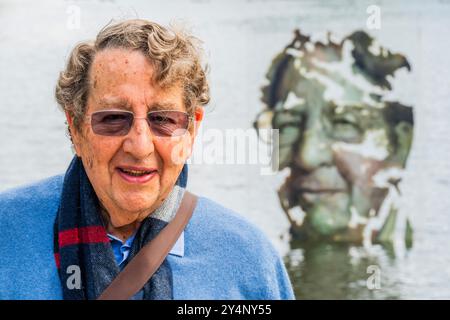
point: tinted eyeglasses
(162, 123)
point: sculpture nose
(315, 148)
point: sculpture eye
(285, 118)
(346, 130)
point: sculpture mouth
(321, 190)
(308, 196)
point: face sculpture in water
(344, 143)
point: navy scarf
(83, 254)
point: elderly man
(133, 100)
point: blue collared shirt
(122, 249)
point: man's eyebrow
(122, 103)
(115, 102)
(162, 106)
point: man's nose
(139, 141)
(315, 148)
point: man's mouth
(137, 174)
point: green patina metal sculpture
(345, 143)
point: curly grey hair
(175, 55)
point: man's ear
(73, 133)
(198, 118)
(69, 119)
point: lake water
(241, 38)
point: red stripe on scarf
(84, 235)
(57, 260)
